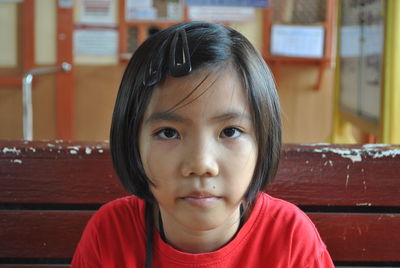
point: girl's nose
(200, 160)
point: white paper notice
(100, 12)
(297, 41)
(92, 41)
(140, 10)
(138, 4)
(221, 13)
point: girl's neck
(197, 241)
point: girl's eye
(230, 132)
(167, 134)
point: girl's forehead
(200, 93)
(198, 86)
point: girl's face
(200, 155)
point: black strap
(149, 234)
(161, 227)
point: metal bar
(27, 94)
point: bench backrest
(49, 190)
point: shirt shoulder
(293, 232)
(121, 208)
(107, 238)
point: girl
(195, 137)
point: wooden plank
(336, 175)
(54, 234)
(61, 181)
(40, 234)
(57, 172)
(308, 175)
(360, 237)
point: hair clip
(179, 64)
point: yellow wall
(45, 31)
(252, 30)
(307, 113)
(8, 34)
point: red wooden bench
(49, 189)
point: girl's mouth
(201, 199)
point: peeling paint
(365, 186)
(359, 230)
(347, 180)
(17, 161)
(316, 144)
(353, 158)
(32, 149)
(330, 163)
(73, 152)
(51, 145)
(75, 148)
(11, 150)
(344, 234)
(375, 145)
(88, 150)
(100, 151)
(355, 155)
(385, 153)
(364, 204)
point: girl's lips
(201, 201)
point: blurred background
(334, 62)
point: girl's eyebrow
(231, 115)
(165, 116)
(169, 116)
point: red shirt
(277, 234)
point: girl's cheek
(164, 145)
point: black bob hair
(207, 44)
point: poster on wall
(221, 14)
(297, 41)
(100, 12)
(235, 3)
(95, 40)
(153, 9)
(140, 10)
